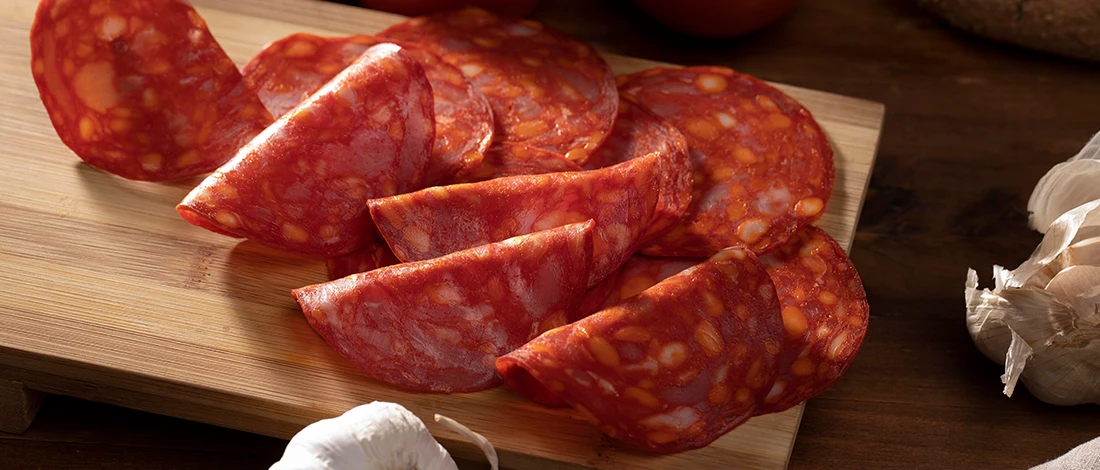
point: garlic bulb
(1066, 186)
(376, 436)
(1041, 320)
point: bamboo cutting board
(108, 295)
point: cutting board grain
(109, 296)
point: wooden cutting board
(109, 296)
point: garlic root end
(477, 439)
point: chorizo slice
(825, 315)
(302, 185)
(763, 168)
(439, 325)
(637, 132)
(141, 89)
(670, 369)
(624, 200)
(374, 255)
(289, 70)
(511, 159)
(547, 89)
(636, 275)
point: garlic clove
(1059, 235)
(1079, 287)
(338, 450)
(375, 436)
(1084, 252)
(1036, 315)
(985, 321)
(1065, 186)
(480, 441)
(1091, 150)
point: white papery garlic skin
(1041, 320)
(375, 436)
(1066, 186)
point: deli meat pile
(495, 206)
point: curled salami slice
(824, 312)
(373, 256)
(622, 199)
(671, 369)
(763, 167)
(439, 325)
(289, 70)
(638, 131)
(637, 274)
(141, 89)
(547, 89)
(303, 183)
(511, 159)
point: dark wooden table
(970, 127)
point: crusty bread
(1065, 27)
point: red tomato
(716, 18)
(424, 7)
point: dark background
(971, 125)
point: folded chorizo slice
(289, 70)
(141, 89)
(825, 315)
(439, 325)
(625, 200)
(302, 184)
(672, 368)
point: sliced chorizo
(511, 159)
(637, 132)
(636, 275)
(289, 70)
(302, 185)
(546, 88)
(439, 325)
(141, 89)
(374, 255)
(672, 368)
(763, 168)
(624, 200)
(825, 314)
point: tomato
(716, 18)
(424, 7)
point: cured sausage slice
(623, 200)
(763, 167)
(141, 89)
(825, 314)
(303, 183)
(287, 71)
(373, 256)
(439, 325)
(546, 88)
(637, 274)
(671, 369)
(638, 131)
(511, 159)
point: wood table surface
(970, 127)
